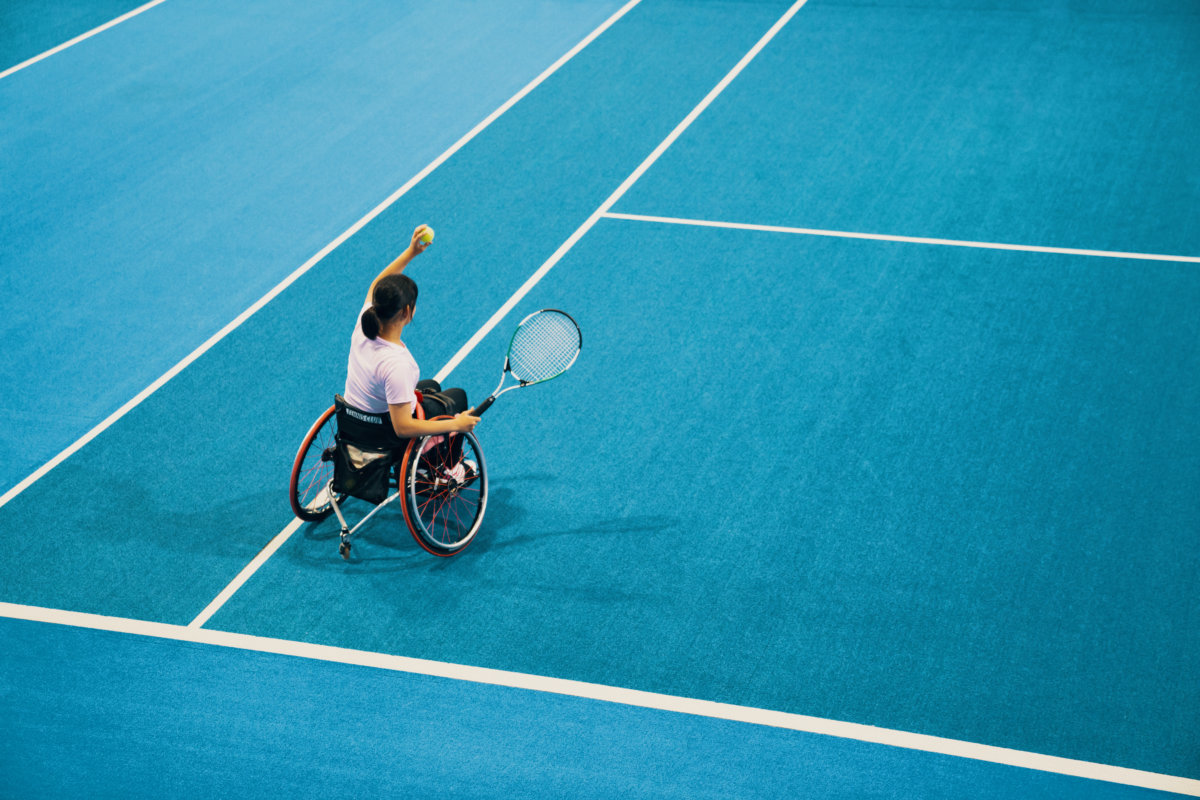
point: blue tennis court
(878, 474)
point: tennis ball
(426, 238)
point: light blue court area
(935, 489)
(161, 177)
(1066, 124)
(150, 718)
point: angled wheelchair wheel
(309, 488)
(444, 481)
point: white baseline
(307, 265)
(613, 694)
(883, 237)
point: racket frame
(486, 404)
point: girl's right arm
(415, 248)
(407, 426)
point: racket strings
(544, 346)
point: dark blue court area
(945, 490)
(356, 731)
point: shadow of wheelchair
(505, 514)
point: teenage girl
(382, 376)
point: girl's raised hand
(417, 246)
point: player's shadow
(388, 532)
(510, 516)
(385, 545)
(127, 513)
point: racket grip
(478, 410)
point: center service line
(445, 371)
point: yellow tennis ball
(426, 237)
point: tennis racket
(543, 346)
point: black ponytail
(393, 294)
(370, 323)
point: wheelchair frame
(428, 496)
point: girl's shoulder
(395, 355)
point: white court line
(613, 694)
(80, 38)
(621, 190)
(246, 572)
(306, 266)
(1031, 248)
(444, 373)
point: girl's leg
(458, 397)
(440, 401)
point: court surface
(877, 475)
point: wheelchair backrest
(367, 446)
(368, 429)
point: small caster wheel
(344, 549)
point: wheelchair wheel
(444, 481)
(313, 470)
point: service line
(884, 237)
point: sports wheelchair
(441, 480)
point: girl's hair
(393, 294)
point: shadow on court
(385, 544)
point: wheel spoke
(310, 474)
(447, 497)
(458, 519)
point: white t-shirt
(379, 372)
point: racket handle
(478, 410)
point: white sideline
(445, 371)
(890, 238)
(306, 266)
(613, 694)
(80, 38)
